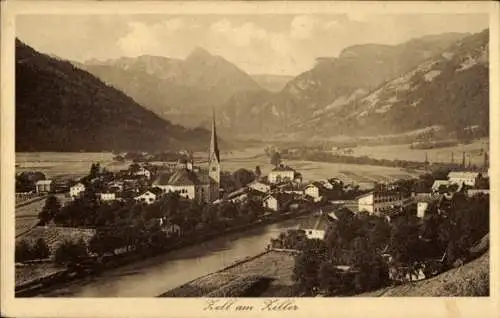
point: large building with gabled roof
(195, 184)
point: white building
(147, 197)
(315, 190)
(315, 227)
(277, 201)
(424, 202)
(259, 186)
(464, 178)
(380, 202)
(281, 174)
(439, 183)
(76, 190)
(107, 196)
(143, 172)
(43, 186)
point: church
(190, 182)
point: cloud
(303, 26)
(357, 16)
(141, 39)
(240, 35)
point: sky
(258, 44)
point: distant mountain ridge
(184, 91)
(451, 90)
(62, 108)
(271, 82)
(332, 83)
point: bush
(41, 249)
(23, 251)
(70, 253)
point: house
(43, 186)
(259, 186)
(438, 184)
(336, 213)
(107, 196)
(143, 172)
(147, 197)
(277, 201)
(473, 192)
(464, 178)
(315, 227)
(424, 203)
(315, 190)
(76, 190)
(383, 202)
(281, 174)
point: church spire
(214, 148)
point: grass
(28, 272)
(274, 265)
(54, 236)
(403, 152)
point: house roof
(148, 193)
(283, 168)
(338, 213)
(315, 223)
(44, 182)
(281, 197)
(182, 177)
(463, 174)
(79, 184)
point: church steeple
(214, 168)
(214, 148)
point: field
(78, 164)
(27, 215)
(276, 265)
(403, 152)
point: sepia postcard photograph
(249, 158)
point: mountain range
(60, 107)
(368, 90)
(182, 90)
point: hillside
(62, 108)
(334, 83)
(471, 279)
(272, 83)
(183, 91)
(449, 90)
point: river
(156, 275)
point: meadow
(78, 164)
(403, 152)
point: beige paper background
(308, 307)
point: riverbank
(93, 273)
(274, 265)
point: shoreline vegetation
(69, 276)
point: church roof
(214, 147)
(182, 177)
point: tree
(23, 251)
(50, 210)
(242, 177)
(305, 272)
(275, 159)
(69, 253)
(41, 249)
(258, 172)
(94, 170)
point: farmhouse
(315, 227)
(76, 190)
(315, 190)
(259, 186)
(281, 174)
(438, 184)
(382, 202)
(43, 186)
(143, 172)
(107, 196)
(277, 201)
(424, 203)
(464, 178)
(147, 197)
